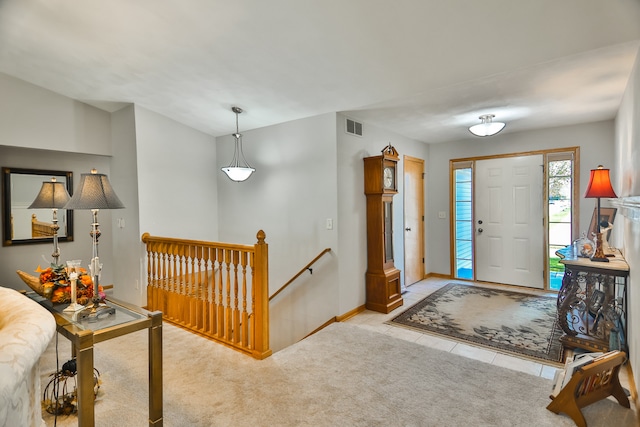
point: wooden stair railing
(306, 267)
(219, 290)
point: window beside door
(559, 212)
(463, 218)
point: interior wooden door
(413, 220)
(509, 225)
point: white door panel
(508, 221)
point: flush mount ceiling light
(239, 169)
(488, 127)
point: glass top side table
(84, 333)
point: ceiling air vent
(354, 128)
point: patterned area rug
(517, 323)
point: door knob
(479, 230)
(479, 221)
(408, 229)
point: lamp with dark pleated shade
(53, 195)
(95, 193)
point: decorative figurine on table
(605, 229)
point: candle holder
(73, 267)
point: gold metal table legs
(83, 342)
(155, 370)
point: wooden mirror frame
(7, 236)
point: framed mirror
(21, 225)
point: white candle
(74, 277)
(95, 266)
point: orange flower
(60, 296)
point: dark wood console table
(592, 302)
(83, 334)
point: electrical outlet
(442, 214)
(329, 224)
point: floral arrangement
(56, 285)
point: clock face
(388, 178)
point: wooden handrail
(306, 267)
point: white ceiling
(425, 69)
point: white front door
(508, 221)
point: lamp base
(73, 307)
(92, 313)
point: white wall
(33, 117)
(352, 204)
(129, 279)
(176, 194)
(177, 178)
(290, 196)
(596, 142)
(626, 176)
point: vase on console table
(583, 247)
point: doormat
(507, 321)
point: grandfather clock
(380, 185)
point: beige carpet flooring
(342, 376)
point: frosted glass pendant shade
(237, 173)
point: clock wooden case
(382, 277)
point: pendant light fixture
(488, 127)
(239, 169)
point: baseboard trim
(438, 275)
(349, 314)
(324, 325)
(342, 318)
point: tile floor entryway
(376, 321)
